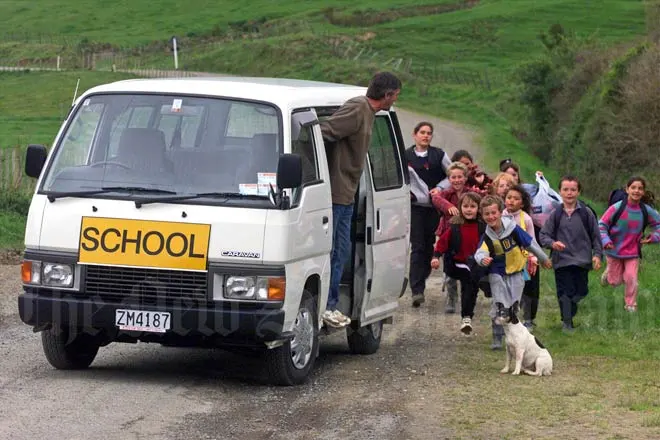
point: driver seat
(143, 150)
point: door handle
(325, 219)
(378, 219)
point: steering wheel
(110, 162)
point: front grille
(116, 284)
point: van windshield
(164, 144)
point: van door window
(302, 143)
(384, 156)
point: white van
(197, 212)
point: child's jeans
(620, 270)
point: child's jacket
(508, 247)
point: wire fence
(12, 175)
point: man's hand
(453, 211)
(435, 263)
(558, 246)
(487, 261)
(609, 245)
(595, 261)
(547, 264)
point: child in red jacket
(458, 243)
(447, 203)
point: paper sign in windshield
(248, 189)
(176, 105)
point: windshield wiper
(54, 195)
(215, 195)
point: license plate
(142, 320)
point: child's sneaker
(603, 279)
(417, 299)
(631, 308)
(466, 326)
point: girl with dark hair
(427, 166)
(468, 227)
(622, 233)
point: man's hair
(382, 84)
(492, 200)
(457, 166)
(570, 178)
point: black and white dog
(531, 356)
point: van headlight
(47, 274)
(255, 288)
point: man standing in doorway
(348, 132)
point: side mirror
(289, 171)
(35, 158)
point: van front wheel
(365, 340)
(66, 350)
(291, 363)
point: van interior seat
(264, 153)
(143, 150)
(216, 170)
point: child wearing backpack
(457, 244)
(576, 248)
(622, 233)
(501, 250)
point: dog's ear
(514, 313)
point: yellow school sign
(141, 243)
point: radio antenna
(75, 93)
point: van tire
(365, 340)
(63, 354)
(282, 369)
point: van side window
(302, 143)
(384, 156)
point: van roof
(284, 92)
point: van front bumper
(231, 323)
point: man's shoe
(466, 326)
(529, 325)
(567, 327)
(417, 299)
(342, 319)
(497, 343)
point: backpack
(449, 264)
